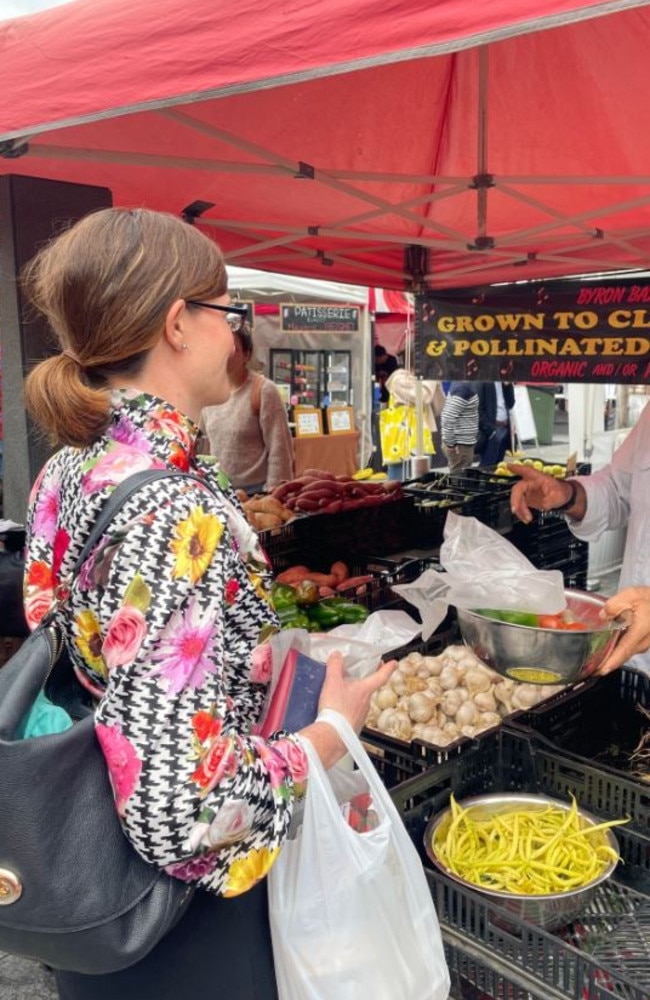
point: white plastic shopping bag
(351, 913)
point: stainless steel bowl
(550, 911)
(540, 655)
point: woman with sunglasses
(250, 433)
(166, 628)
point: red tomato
(573, 626)
(551, 621)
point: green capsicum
(283, 596)
(323, 616)
(348, 611)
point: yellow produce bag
(398, 433)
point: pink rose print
(36, 606)
(230, 824)
(194, 868)
(115, 466)
(275, 764)
(124, 765)
(296, 759)
(126, 631)
(46, 512)
(261, 664)
(219, 762)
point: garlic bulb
(477, 680)
(525, 696)
(486, 720)
(373, 717)
(448, 678)
(386, 697)
(397, 724)
(467, 714)
(485, 701)
(421, 706)
(451, 702)
(434, 664)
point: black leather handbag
(74, 893)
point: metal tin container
(541, 655)
(547, 911)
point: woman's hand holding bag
(351, 913)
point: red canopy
(506, 139)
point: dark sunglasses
(235, 315)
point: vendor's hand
(632, 605)
(351, 696)
(539, 491)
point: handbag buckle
(11, 888)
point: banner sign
(315, 318)
(556, 331)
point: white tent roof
(268, 284)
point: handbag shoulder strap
(122, 492)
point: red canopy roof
(506, 139)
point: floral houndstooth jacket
(166, 626)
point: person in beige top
(250, 433)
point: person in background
(459, 425)
(167, 629)
(495, 400)
(616, 496)
(249, 434)
(385, 365)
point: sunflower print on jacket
(165, 627)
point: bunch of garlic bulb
(443, 698)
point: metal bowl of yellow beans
(539, 858)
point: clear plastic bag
(351, 913)
(482, 569)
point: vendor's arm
(632, 605)
(276, 435)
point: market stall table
(336, 453)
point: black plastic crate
(507, 760)
(351, 535)
(494, 956)
(597, 722)
(496, 949)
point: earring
(183, 347)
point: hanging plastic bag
(482, 570)
(351, 912)
(398, 433)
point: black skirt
(221, 948)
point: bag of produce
(350, 910)
(482, 569)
